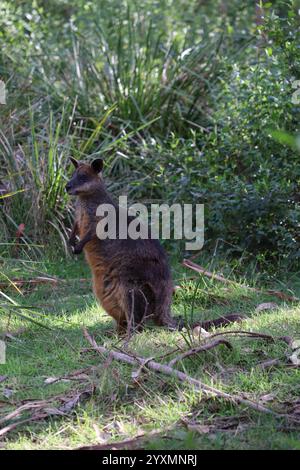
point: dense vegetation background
(187, 101)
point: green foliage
(187, 102)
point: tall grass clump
(182, 99)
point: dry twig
(166, 369)
(43, 409)
(204, 347)
(199, 269)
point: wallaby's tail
(225, 320)
(221, 321)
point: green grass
(121, 408)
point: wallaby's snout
(72, 186)
(68, 187)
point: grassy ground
(121, 408)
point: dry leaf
(266, 398)
(200, 333)
(294, 358)
(70, 404)
(8, 392)
(102, 436)
(10, 336)
(266, 306)
(295, 344)
(53, 412)
(51, 380)
(199, 428)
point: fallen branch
(252, 334)
(126, 444)
(22, 282)
(27, 406)
(268, 363)
(205, 347)
(37, 281)
(133, 443)
(200, 270)
(80, 374)
(12, 426)
(43, 409)
(276, 293)
(218, 277)
(167, 370)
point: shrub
(187, 101)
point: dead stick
(165, 369)
(251, 334)
(22, 282)
(200, 270)
(40, 407)
(195, 267)
(38, 280)
(12, 426)
(205, 347)
(130, 443)
(27, 406)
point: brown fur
(131, 278)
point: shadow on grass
(120, 406)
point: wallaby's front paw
(72, 241)
(76, 250)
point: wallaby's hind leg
(162, 314)
(140, 303)
(122, 327)
(125, 306)
(165, 318)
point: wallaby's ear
(74, 161)
(97, 165)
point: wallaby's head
(86, 178)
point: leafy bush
(183, 100)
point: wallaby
(131, 278)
